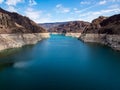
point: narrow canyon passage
(60, 63)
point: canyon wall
(103, 30)
(70, 28)
(17, 30)
(18, 40)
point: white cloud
(61, 9)
(58, 5)
(102, 2)
(85, 9)
(32, 13)
(32, 2)
(44, 18)
(75, 9)
(114, 6)
(38, 16)
(11, 9)
(84, 2)
(13, 2)
(1, 1)
(92, 15)
(115, 0)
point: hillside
(51, 25)
(104, 25)
(70, 27)
(17, 30)
(16, 23)
(103, 30)
(95, 25)
(111, 25)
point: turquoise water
(60, 63)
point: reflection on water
(9, 57)
(21, 64)
(9, 52)
(4, 65)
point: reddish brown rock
(17, 30)
(111, 25)
(104, 25)
(15, 23)
(70, 27)
(95, 25)
(105, 31)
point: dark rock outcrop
(110, 25)
(104, 25)
(95, 25)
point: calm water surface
(60, 63)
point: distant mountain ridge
(68, 27)
(51, 25)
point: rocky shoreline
(112, 41)
(76, 35)
(104, 31)
(17, 30)
(18, 40)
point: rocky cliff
(111, 25)
(104, 30)
(71, 28)
(17, 30)
(94, 26)
(47, 26)
(15, 23)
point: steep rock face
(105, 31)
(70, 27)
(111, 25)
(17, 30)
(15, 23)
(95, 25)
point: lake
(60, 63)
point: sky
(46, 11)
